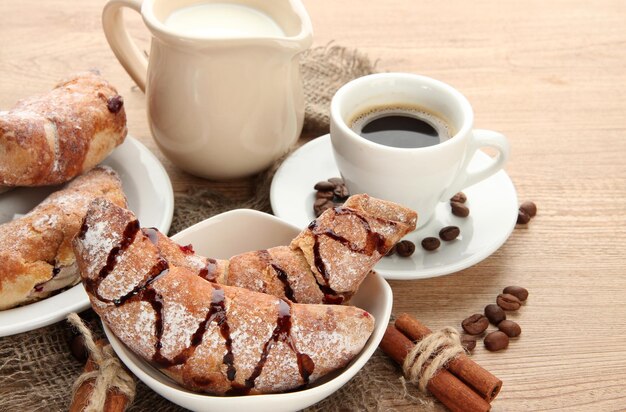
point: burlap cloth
(37, 369)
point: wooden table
(550, 75)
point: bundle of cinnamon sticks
(115, 401)
(462, 385)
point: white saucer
(492, 203)
(235, 232)
(149, 192)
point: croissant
(208, 337)
(36, 256)
(326, 263)
(50, 139)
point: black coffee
(400, 126)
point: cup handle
(125, 49)
(480, 138)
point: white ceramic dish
(492, 202)
(235, 232)
(150, 196)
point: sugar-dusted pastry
(326, 263)
(208, 337)
(343, 244)
(52, 138)
(36, 256)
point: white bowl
(235, 232)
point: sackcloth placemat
(37, 369)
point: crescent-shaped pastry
(52, 138)
(208, 337)
(36, 256)
(326, 263)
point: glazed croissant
(36, 256)
(208, 337)
(50, 139)
(326, 263)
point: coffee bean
(510, 328)
(494, 313)
(324, 186)
(321, 205)
(475, 324)
(459, 209)
(331, 205)
(320, 202)
(323, 194)
(468, 342)
(78, 348)
(459, 197)
(449, 233)
(405, 248)
(517, 291)
(391, 251)
(115, 103)
(496, 341)
(341, 191)
(430, 243)
(508, 302)
(336, 180)
(522, 217)
(530, 208)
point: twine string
(431, 354)
(108, 374)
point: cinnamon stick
(472, 374)
(115, 400)
(444, 386)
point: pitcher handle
(125, 49)
(480, 138)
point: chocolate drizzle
(128, 236)
(281, 333)
(216, 313)
(374, 242)
(161, 268)
(282, 276)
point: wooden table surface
(551, 75)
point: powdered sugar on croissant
(50, 139)
(208, 337)
(36, 257)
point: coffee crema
(402, 126)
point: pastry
(326, 263)
(36, 256)
(208, 337)
(50, 139)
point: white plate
(235, 232)
(492, 203)
(149, 192)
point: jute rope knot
(108, 374)
(431, 354)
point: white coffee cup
(221, 104)
(420, 177)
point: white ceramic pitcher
(218, 107)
